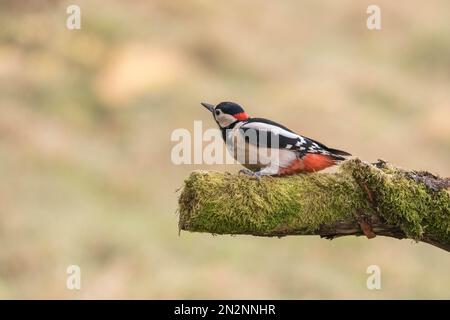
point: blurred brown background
(86, 117)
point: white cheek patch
(224, 119)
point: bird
(253, 142)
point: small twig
(365, 225)
(362, 219)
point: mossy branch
(359, 199)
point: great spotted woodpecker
(295, 153)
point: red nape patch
(241, 116)
(309, 163)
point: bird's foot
(253, 174)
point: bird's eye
(217, 112)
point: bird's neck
(229, 127)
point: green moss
(403, 202)
(222, 203)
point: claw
(253, 174)
(247, 172)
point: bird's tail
(337, 154)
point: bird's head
(226, 113)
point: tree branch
(359, 199)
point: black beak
(208, 106)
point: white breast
(252, 156)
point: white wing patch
(274, 129)
(261, 126)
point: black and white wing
(267, 133)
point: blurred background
(86, 117)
